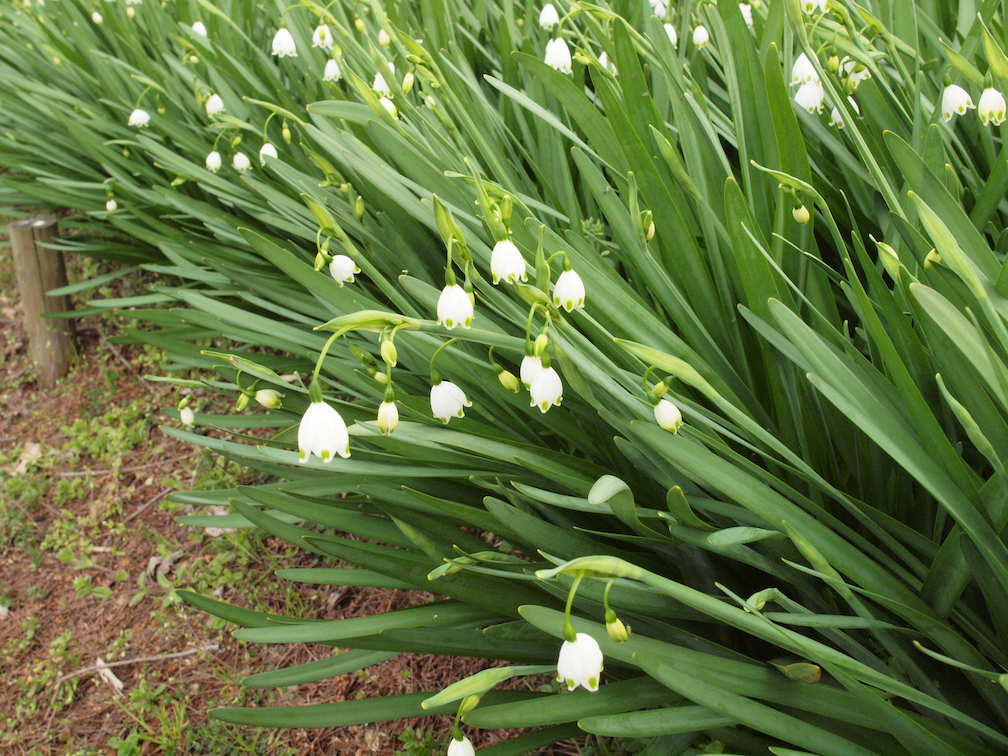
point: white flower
(111, 206)
(836, 119)
(266, 149)
(187, 416)
(389, 106)
(580, 663)
(96, 17)
(991, 107)
(323, 433)
(801, 214)
(454, 307)
(810, 97)
(138, 118)
(380, 86)
(199, 28)
(388, 417)
(322, 37)
(241, 162)
(283, 44)
(383, 38)
(659, 9)
(810, 6)
(530, 368)
(213, 161)
(214, 105)
(746, 11)
(803, 72)
(668, 415)
(343, 269)
(268, 398)
(546, 389)
(447, 401)
(604, 62)
(558, 55)
(462, 747)
(700, 37)
(332, 72)
(507, 263)
(548, 16)
(569, 291)
(955, 99)
(672, 35)
(854, 77)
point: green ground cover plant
(686, 318)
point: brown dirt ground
(38, 584)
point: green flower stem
(568, 629)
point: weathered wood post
(40, 270)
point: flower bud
(130, 12)
(193, 59)
(383, 38)
(833, 64)
(96, 17)
(359, 24)
(509, 381)
(407, 82)
(187, 416)
(269, 398)
(358, 208)
(932, 259)
(111, 205)
(801, 214)
(381, 378)
(319, 261)
(286, 133)
(242, 402)
(389, 352)
(236, 141)
(388, 416)
(541, 343)
(615, 627)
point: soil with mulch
(200, 667)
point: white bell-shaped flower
(388, 417)
(383, 38)
(660, 9)
(283, 44)
(381, 86)
(268, 398)
(187, 416)
(548, 16)
(546, 389)
(241, 162)
(558, 55)
(992, 107)
(323, 433)
(811, 6)
(139, 118)
(214, 105)
(801, 214)
(322, 37)
(332, 71)
(266, 149)
(803, 72)
(604, 62)
(580, 663)
(836, 118)
(447, 401)
(700, 37)
(454, 308)
(530, 367)
(213, 161)
(199, 28)
(507, 263)
(668, 416)
(111, 206)
(746, 10)
(569, 291)
(343, 269)
(673, 35)
(955, 100)
(462, 747)
(854, 71)
(810, 97)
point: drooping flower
(673, 35)
(111, 206)
(810, 6)
(139, 118)
(323, 433)
(213, 161)
(388, 417)
(381, 86)
(801, 214)
(214, 105)
(558, 55)
(854, 71)
(836, 118)
(507, 263)
(343, 269)
(810, 97)
(389, 106)
(955, 99)
(746, 10)
(283, 44)
(268, 398)
(199, 28)
(660, 9)
(447, 400)
(546, 389)
(580, 663)
(462, 747)
(322, 37)
(332, 71)
(803, 72)
(992, 107)
(548, 16)
(96, 17)
(383, 38)
(668, 416)
(604, 61)
(700, 37)
(454, 308)
(187, 416)
(241, 162)
(530, 367)
(266, 149)
(569, 291)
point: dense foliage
(769, 433)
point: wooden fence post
(40, 270)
